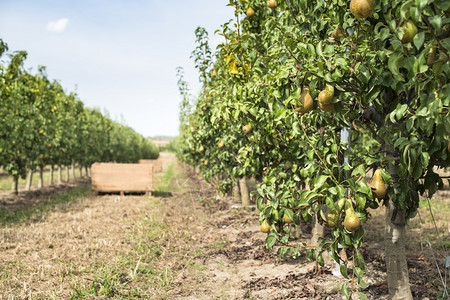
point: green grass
(136, 274)
(18, 213)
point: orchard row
(43, 125)
(312, 98)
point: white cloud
(58, 26)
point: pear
(326, 96)
(362, 9)
(201, 149)
(214, 73)
(221, 144)
(409, 32)
(332, 219)
(287, 219)
(265, 226)
(272, 3)
(205, 162)
(378, 186)
(233, 68)
(326, 107)
(250, 12)
(338, 33)
(432, 56)
(333, 216)
(247, 128)
(351, 221)
(305, 100)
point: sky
(118, 56)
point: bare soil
(185, 243)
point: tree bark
(245, 197)
(396, 265)
(81, 171)
(41, 177)
(29, 180)
(72, 167)
(86, 171)
(52, 172)
(318, 231)
(236, 195)
(67, 174)
(59, 174)
(15, 185)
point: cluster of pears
(351, 220)
(247, 128)
(306, 104)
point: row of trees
(43, 125)
(311, 97)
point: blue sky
(117, 55)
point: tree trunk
(52, 172)
(67, 174)
(41, 177)
(396, 265)
(29, 180)
(59, 174)
(81, 171)
(394, 239)
(72, 167)
(245, 197)
(318, 231)
(236, 194)
(87, 171)
(15, 185)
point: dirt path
(178, 244)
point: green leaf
(271, 240)
(343, 269)
(362, 295)
(419, 39)
(345, 291)
(359, 171)
(359, 260)
(394, 65)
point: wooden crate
(112, 177)
(157, 167)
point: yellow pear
(332, 219)
(351, 221)
(250, 12)
(362, 9)
(287, 219)
(272, 3)
(326, 96)
(378, 186)
(247, 128)
(221, 144)
(338, 33)
(265, 226)
(409, 32)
